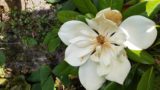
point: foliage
(25, 31)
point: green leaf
(53, 44)
(146, 82)
(67, 15)
(131, 2)
(50, 35)
(63, 70)
(102, 4)
(151, 7)
(53, 1)
(29, 41)
(85, 6)
(131, 75)
(40, 75)
(48, 84)
(45, 72)
(117, 4)
(68, 5)
(132, 78)
(51, 40)
(140, 56)
(81, 18)
(95, 2)
(114, 4)
(36, 86)
(2, 58)
(135, 9)
(112, 86)
(43, 79)
(34, 77)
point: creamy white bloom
(98, 48)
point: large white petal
(103, 69)
(76, 56)
(96, 55)
(107, 55)
(88, 76)
(105, 61)
(119, 70)
(141, 32)
(83, 41)
(104, 54)
(72, 29)
(117, 37)
(102, 26)
(112, 15)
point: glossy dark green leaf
(45, 72)
(36, 86)
(131, 2)
(68, 5)
(156, 82)
(146, 82)
(95, 3)
(51, 40)
(81, 18)
(34, 77)
(63, 70)
(140, 56)
(40, 75)
(131, 75)
(112, 86)
(67, 15)
(50, 35)
(53, 44)
(2, 58)
(42, 78)
(132, 78)
(102, 4)
(85, 6)
(48, 84)
(136, 9)
(114, 4)
(117, 4)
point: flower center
(100, 39)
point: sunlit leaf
(140, 56)
(146, 82)
(151, 7)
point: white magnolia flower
(98, 48)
